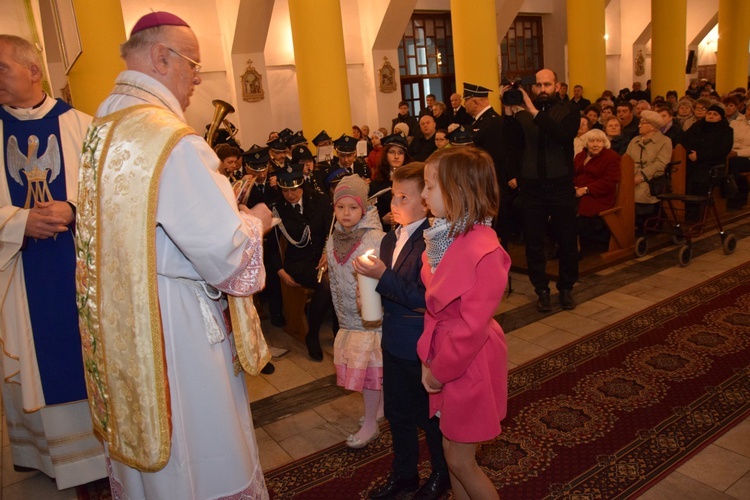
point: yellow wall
(101, 28)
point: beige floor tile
(521, 351)
(343, 413)
(313, 440)
(656, 294)
(677, 486)
(740, 489)
(683, 273)
(511, 365)
(37, 487)
(555, 339)
(271, 454)
(610, 315)
(589, 308)
(288, 375)
(10, 476)
(532, 331)
(624, 301)
(293, 425)
(716, 467)
(673, 283)
(634, 288)
(737, 439)
(573, 323)
(258, 388)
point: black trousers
(558, 205)
(406, 407)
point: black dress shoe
(394, 486)
(566, 300)
(543, 304)
(268, 369)
(436, 485)
(313, 348)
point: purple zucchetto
(154, 19)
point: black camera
(513, 96)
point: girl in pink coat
(463, 350)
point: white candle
(372, 308)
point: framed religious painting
(387, 77)
(252, 84)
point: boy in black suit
(402, 291)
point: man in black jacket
(546, 183)
(488, 134)
(458, 112)
(305, 218)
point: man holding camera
(546, 182)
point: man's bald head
(546, 84)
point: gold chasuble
(120, 319)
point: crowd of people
(120, 373)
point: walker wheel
(641, 246)
(684, 255)
(729, 244)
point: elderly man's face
(17, 81)
(455, 100)
(182, 76)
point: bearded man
(546, 183)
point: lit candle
(372, 308)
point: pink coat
(462, 344)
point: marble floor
(306, 425)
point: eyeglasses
(194, 65)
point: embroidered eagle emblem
(34, 168)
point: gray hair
(595, 133)
(143, 40)
(24, 52)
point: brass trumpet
(221, 110)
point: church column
(587, 54)
(668, 46)
(102, 30)
(322, 82)
(734, 36)
(475, 46)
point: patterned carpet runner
(605, 417)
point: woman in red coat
(462, 348)
(597, 173)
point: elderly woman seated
(651, 151)
(597, 173)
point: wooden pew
(620, 219)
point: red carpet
(605, 417)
